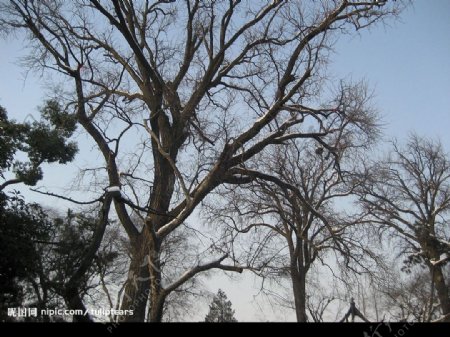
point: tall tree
(27, 232)
(197, 87)
(408, 197)
(21, 223)
(220, 309)
(290, 207)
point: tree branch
(200, 268)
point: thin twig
(69, 199)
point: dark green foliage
(27, 233)
(64, 122)
(44, 141)
(27, 173)
(73, 234)
(8, 142)
(40, 253)
(220, 309)
(62, 256)
(21, 227)
(46, 144)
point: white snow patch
(113, 189)
(419, 253)
(443, 258)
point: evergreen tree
(220, 309)
(23, 225)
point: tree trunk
(431, 245)
(136, 293)
(156, 307)
(138, 285)
(147, 286)
(74, 302)
(157, 293)
(299, 289)
(442, 290)
(146, 263)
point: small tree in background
(220, 309)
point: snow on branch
(113, 189)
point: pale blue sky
(407, 64)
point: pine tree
(220, 309)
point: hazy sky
(406, 63)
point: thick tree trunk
(156, 307)
(74, 302)
(147, 286)
(138, 283)
(136, 292)
(146, 263)
(299, 289)
(442, 290)
(157, 293)
(430, 245)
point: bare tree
(319, 298)
(290, 205)
(408, 198)
(196, 87)
(409, 297)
